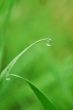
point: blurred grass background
(22, 22)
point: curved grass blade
(7, 70)
(47, 103)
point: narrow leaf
(47, 103)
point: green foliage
(48, 68)
(6, 73)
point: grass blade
(47, 103)
(7, 70)
(3, 32)
(1, 52)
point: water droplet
(8, 79)
(50, 39)
(48, 44)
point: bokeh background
(23, 22)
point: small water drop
(48, 44)
(50, 39)
(8, 79)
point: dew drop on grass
(8, 79)
(49, 42)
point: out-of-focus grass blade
(1, 51)
(3, 32)
(48, 105)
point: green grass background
(22, 22)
